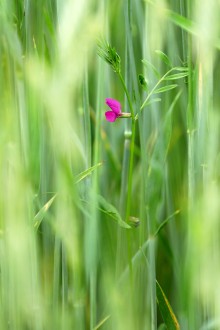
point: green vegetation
(109, 225)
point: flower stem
(131, 161)
(127, 94)
(128, 200)
(130, 170)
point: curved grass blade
(43, 211)
(147, 64)
(165, 309)
(79, 177)
(100, 324)
(165, 222)
(164, 58)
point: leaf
(151, 66)
(79, 177)
(100, 324)
(151, 101)
(183, 22)
(165, 89)
(112, 212)
(164, 58)
(176, 76)
(165, 309)
(181, 68)
(43, 211)
(165, 222)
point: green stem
(127, 94)
(128, 200)
(130, 173)
(131, 159)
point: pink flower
(116, 110)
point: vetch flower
(115, 112)
(115, 106)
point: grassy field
(109, 225)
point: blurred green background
(70, 257)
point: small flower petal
(114, 105)
(110, 116)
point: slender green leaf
(79, 177)
(165, 309)
(153, 100)
(148, 65)
(165, 89)
(165, 222)
(100, 324)
(176, 76)
(164, 58)
(181, 68)
(183, 22)
(179, 20)
(43, 211)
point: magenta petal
(114, 105)
(110, 116)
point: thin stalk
(130, 173)
(191, 152)
(124, 180)
(131, 159)
(93, 228)
(87, 123)
(127, 94)
(56, 274)
(64, 277)
(128, 200)
(152, 276)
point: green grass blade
(166, 310)
(150, 66)
(182, 22)
(165, 222)
(100, 324)
(164, 58)
(42, 213)
(81, 176)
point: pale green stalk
(56, 274)
(151, 276)
(127, 95)
(93, 228)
